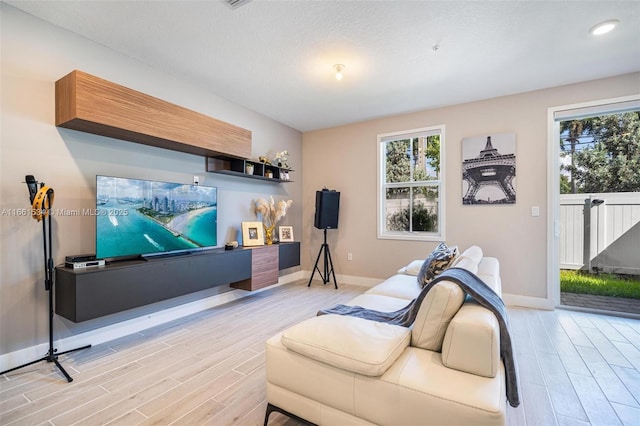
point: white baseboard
(134, 325)
(361, 281)
(347, 279)
(528, 301)
(289, 278)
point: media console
(90, 293)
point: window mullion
(398, 184)
(411, 209)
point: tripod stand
(44, 198)
(327, 262)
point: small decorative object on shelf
(281, 159)
(268, 174)
(285, 234)
(268, 235)
(252, 234)
(271, 213)
(249, 168)
(264, 160)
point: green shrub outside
(424, 219)
(599, 284)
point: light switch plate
(535, 211)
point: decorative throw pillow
(439, 260)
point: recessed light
(604, 27)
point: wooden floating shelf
(93, 105)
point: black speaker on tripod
(327, 209)
(326, 217)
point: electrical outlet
(196, 180)
(349, 256)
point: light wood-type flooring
(575, 368)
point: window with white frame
(410, 186)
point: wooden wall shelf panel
(264, 268)
(93, 105)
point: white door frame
(553, 180)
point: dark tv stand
(84, 294)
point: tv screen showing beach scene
(142, 217)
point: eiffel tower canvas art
(489, 169)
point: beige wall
(344, 158)
(36, 54)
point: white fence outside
(612, 234)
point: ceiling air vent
(234, 4)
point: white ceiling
(277, 57)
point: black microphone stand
(52, 354)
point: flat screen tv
(141, 217)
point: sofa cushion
(438, 307)
(350, 343)
(468, 264)
(378, 302)
(472, 341)
(419, 390)
(412, 268)
(489, 272)
(400, 286)
(473, 253)
(436, 262)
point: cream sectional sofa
(445, 369)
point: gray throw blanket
(479, 291)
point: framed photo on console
(285, 234)
(252, 234)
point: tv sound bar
(162, 255)
(166, 254)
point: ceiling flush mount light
(339, 68)
(604, 27)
